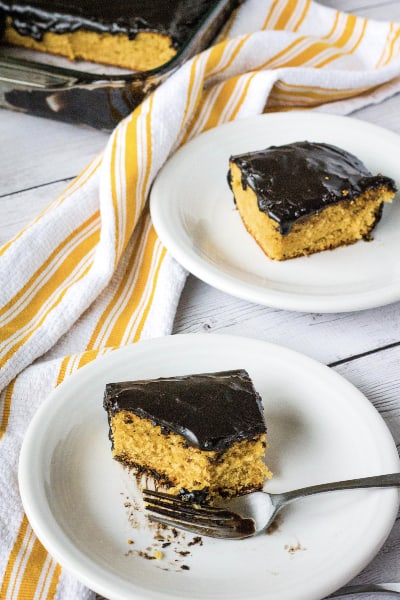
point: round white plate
(79, 501)
(195, 217)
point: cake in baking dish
(202, 434)
(132, 34)
(305, 197)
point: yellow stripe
(277, 59)
(269, 16)
(116, 172)
(148, 150)
(303, 15)
(334, 26)
(202, 114)
(132, 170)
(5, 415)
(392, 48)
(213, 68)
(54, 571)
(130, 303)
(32, 572)
(215, 56)
(306, 55)
(145, 284)
(15, 559)
(317, 92)
(133, 330)
(351, 22)
(114, 338)
(289, 7)
(113, 190)
(344, 42)
(314, 48)
(219, 102)
(63, 369)
(284, 94)
(190, 91)
(386, 48)
(61, 264)
(54, 582)
(75, 185)
(23, 572)
(241, 98)
(150, 300)
(224, 96)
(88, 356)
(38, 321)
(73, 362)
(216, 60)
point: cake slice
(201, 434)
(133, 34)
(306, 197)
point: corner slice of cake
(306, 197)
(202, 435)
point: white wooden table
(38, 158)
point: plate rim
(40, 524)
(225, 282)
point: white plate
(195, 217)
(320, 428)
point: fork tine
(204, 520)
(184, 507)
(215, 532)
(193, 516)
(178, 500)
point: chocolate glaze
(299, 179)
(210, 411)
(175, 18)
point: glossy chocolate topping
(299, 179)
(175, 18)
(211, 411)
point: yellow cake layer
(146, 51)
(140, 444)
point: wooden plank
(326, 337)
(36, 151)
(378, 8)
(19, 209)
(378, 377)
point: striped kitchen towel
(89, 274)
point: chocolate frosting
(210, 411)
(299, 179)
(175, 18)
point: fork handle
(378, 481)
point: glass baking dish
(88, 94)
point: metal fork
(388, 590)
(243, 516)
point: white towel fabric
(90, 274)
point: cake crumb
(196, 540)
(291, 548)
(158, 555)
